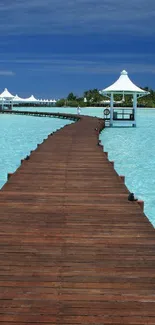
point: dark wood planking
(73, 249)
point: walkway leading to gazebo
(73, 249)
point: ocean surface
(132, 149)
(21, 134)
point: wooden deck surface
(73, 249)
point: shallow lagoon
(132, 149)
(21, 134)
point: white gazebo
(123, 86)
(53, 101)
(6, 98)
(31, 99)
(18, 100)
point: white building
(123, 86)
(31, 99)
(6, 99)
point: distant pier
(73, 249)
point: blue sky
(51, 47)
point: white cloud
(91, 65)
(96, 69)
(82, 64)
(38, 58)
(77, 16)
(6, 73)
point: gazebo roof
(124, 85)
(52, 100)
(6, 94)
(31, 99)
(18, 99)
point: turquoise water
(132, 149)
(72, 110)
(21, 134)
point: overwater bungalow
(7, 101)
(125, 116)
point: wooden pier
(73, 249)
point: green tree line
(92, 97)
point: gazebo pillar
(135, 108)
(2, 103)
(126, 87)
(11, 104)
(111, 108)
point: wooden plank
(73, 249)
